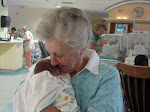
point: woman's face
(66, 58)
(13, 31)
(100, 32)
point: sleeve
(109, 95)
(27, 35)
(9, 107)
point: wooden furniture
(135, 82)
(130, 60)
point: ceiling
(93, 6)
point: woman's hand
(26, 40)
(50, 109)
(95, 47)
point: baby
(46, 65)
(47, 87)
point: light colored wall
(127, 11)
(26, 16)
(142, 26)
(31, 16)
(95, 17)
(3, 11)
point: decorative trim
(140, 13)
(126, 22)
(122, 3)
(141, 21)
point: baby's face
(55, 71)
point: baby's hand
(46, 65)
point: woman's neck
(96, 35)
(79, 68)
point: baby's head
(46, 65)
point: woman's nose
(54, 61)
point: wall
(3, 11)
(31, 16)
(95, 17)
(127, 12)
(26, 16)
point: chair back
(43, 49)
(135, 82)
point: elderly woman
(66, 32)
(95, 42)
(28, 45)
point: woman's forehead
(56, 46)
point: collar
(93, 63)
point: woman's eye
(60, 56)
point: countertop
(10, 42)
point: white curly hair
(67, 24)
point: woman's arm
(109, 95)
(26, 40)
(95, 47)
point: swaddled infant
(47, 87)
(55, 71)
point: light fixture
(67, 1)
(57, 6)
(124, 18)
(118, 17)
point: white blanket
(43, 89)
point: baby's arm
(46, 65)
(50, 109)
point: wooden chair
(135, 82)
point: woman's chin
(64, 70)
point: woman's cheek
(63, 61)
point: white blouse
(28, 45)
